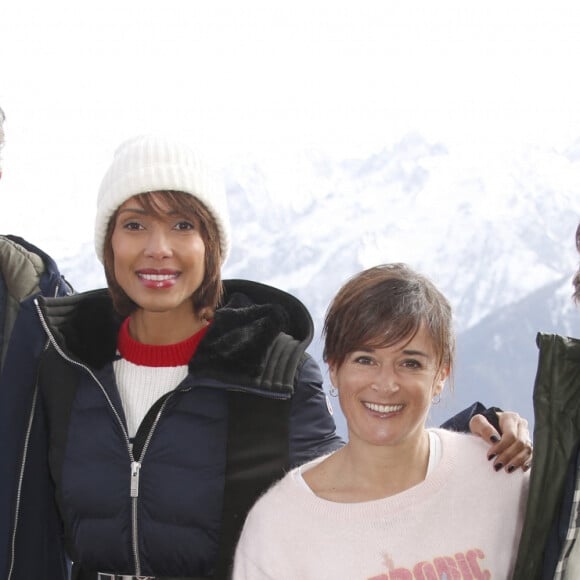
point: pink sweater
(462, 523)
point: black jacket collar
(253, 315)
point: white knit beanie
(150, 163)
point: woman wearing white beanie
(155, 389)
(169, 402)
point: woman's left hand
(511, 450)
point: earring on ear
(333, 391)
(435, 400)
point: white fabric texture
(140, 386)
(434, 458)
(152, 163)
(463, 521)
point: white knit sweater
(145, 373)
(463, 521)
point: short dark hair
(384, 305)
(207, 297)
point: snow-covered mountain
(495, 233)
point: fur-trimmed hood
(255, 324)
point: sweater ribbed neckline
(167, 355)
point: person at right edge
(550, 543)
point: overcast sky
(264, 79)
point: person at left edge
(26, 271)
(168, 403)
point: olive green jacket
(556, 439)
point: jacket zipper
(24, 458)
(135, 465)
(134, 492)
(20, 481)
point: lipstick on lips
(158, 279)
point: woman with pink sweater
(398, 501)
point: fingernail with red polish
(494, 438)
(498, 466)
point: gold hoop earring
(333, 391)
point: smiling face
(389, 344)
(158, 258)
(385, 393)
(160, 204)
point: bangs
(157, 203)
(399, 331)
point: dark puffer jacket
(25, 273)
(155, 505)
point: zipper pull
(135, 467)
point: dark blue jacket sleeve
(312, 427)
(460, 422)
